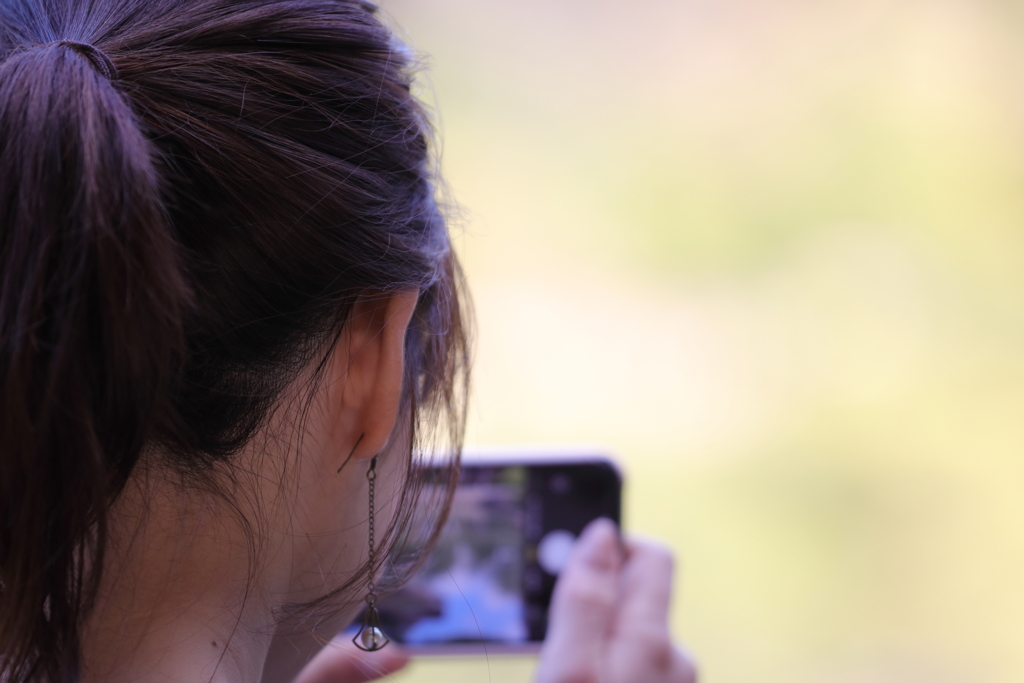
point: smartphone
(514, 519)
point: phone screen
(489, 578)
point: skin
(180, 599)
(178, 602)
(609, 615)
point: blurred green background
(772, 253)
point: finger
(342, 662)
(583, 606)
(685, 668)
(646, 587)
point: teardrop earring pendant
(370, 636)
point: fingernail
(600, 525)
(599, 544)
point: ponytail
(91, 340)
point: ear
(368, 369)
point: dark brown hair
(183, 229)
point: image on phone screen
(490, 576)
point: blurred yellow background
(772, 253)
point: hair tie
(96, 57)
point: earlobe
(371, 357)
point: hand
(342, 662)
(609, 615)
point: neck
(179, 599)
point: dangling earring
(370, 637)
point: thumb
(342, 662)
(584, 605)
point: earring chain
(371, 476)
